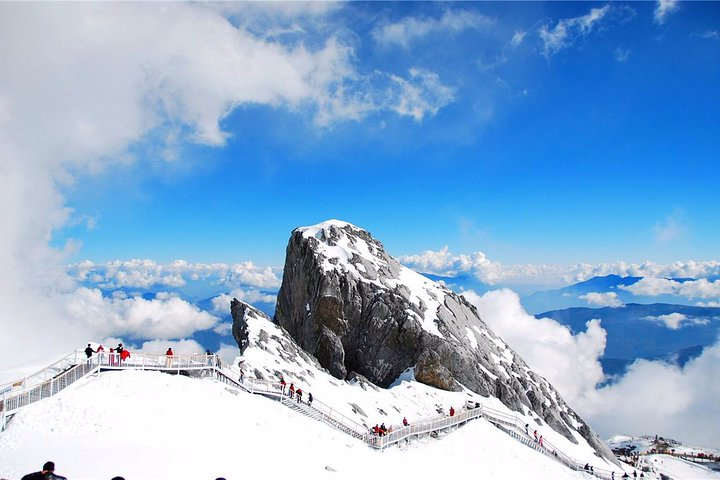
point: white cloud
(223, 328)
(674, 402)
(679, 269)
(409, 29)
(164, 317)
(221, 303)
(663, 9)
(419, 95)
(567, 30)
(609, 299)
(445, 263)
(708, 304)
(228, 353)
(652, 286)
(148, 273)
(91, 80)
(675, 321)
(517, 38)
(569, 362)
(183, 346)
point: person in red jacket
(168, 357)
(452, 412)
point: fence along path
(71, 368)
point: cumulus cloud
(675, 321)
(663, 9)
(164, 317)
(221, 303)
(89, 82)
(675, 402)
(223, 329)
(228, 353)
(570, 362)
(183, 346)
(679, 269)
(410, 29)
(568, 30)
(655, 397)
(652, 286)
(609, 299)
(137, 273)
(444, 263)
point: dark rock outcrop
(358, 311)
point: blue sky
(544, 133)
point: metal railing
(13, 401)
(322, 411)
(426, 426)
(47, 373)
(73, 367)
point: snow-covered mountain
(361, 314)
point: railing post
(4, 408)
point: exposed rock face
(358, 311)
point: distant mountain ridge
(645, 331)
(571, 295)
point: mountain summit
(359, 312)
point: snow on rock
(361, 314)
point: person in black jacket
(47, 473)
(89, 351)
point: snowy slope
(271, 354)
(677, 468)
(354, 307)
(154, 426)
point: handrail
(72, 370)
(275, 390)
(45, 373)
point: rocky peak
(359, 312)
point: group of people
(294, 392)
(117, 354)
(538, 438)
(381, 431)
